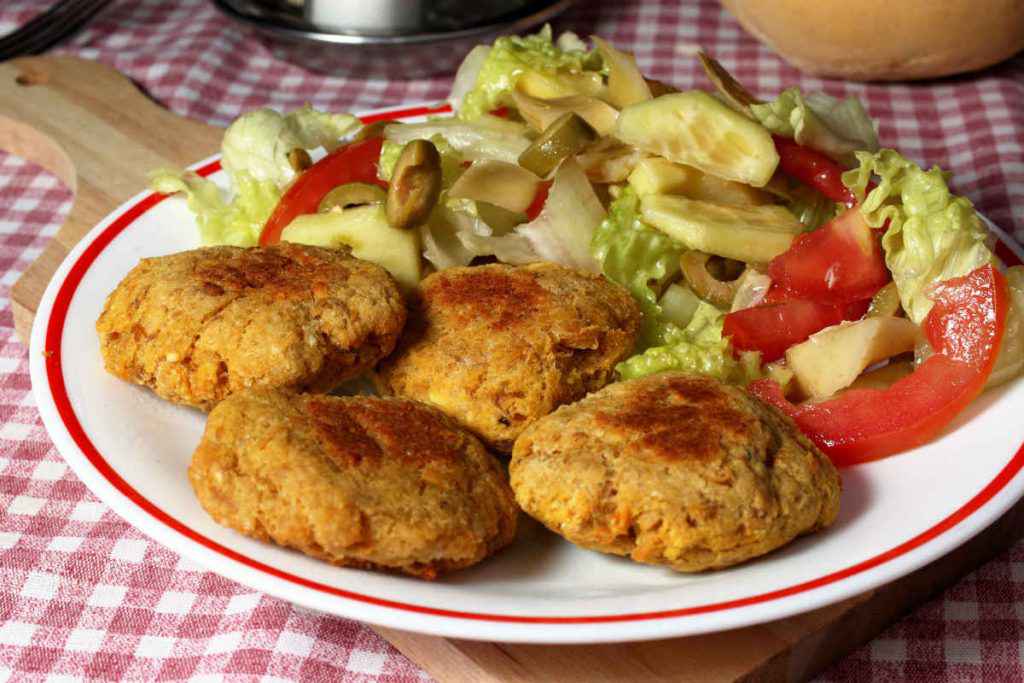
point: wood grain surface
(88, 125)
(92, 128)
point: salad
(771, 244)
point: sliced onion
(735, 95)
(506, 185)
(563, 231)
(542, 113)
(751, 288)
(626, 85)
(609, 161)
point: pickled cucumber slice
(696, 129)
(661, 176)
(565, 137)
(549, 86)
(366, 230)
(752, 234)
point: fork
(50, 27)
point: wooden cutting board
(93, 129)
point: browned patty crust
(498, 346)
(674, 469)
(358, 481)
(198, 325)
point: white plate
(132, 450)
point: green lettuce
(237, 222)
(836, 128)
(638, 257)
(388, 158)
(697, 348)
(933, 235)
(512, 56)
(254, 154)
(259, 141)
(644, 260)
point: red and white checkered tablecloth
(85, 595)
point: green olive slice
(415, 185)
(565, 137)
(351, 194)
(694, 265)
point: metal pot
(396, 39)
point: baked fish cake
(198, 325)
(498, 346)
(676, 470)
(360, 481)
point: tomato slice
(838, 263)
(965, 328)
(537, 205)
(814, 169)
(772, 328)
(354, 163)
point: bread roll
(885, 40)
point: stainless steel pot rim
(513, 24)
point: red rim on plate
(55, 378)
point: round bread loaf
(883, 40)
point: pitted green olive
(351, 194)
(415, 185)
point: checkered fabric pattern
(84, 595)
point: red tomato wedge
(813, 169)
(354, 163)
(838, 263)
(537, 205)
(965, 328)
(773, 327)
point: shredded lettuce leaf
(1010, 361)
(564, 230)
(461, 229)
(933, 235)
(512, 56)
(237, 222)
(258, 142)
(697, 348)
(486, 137)
(389, 153)
(644, 260)
(254, 154)
(836, 128)
(637, 256)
